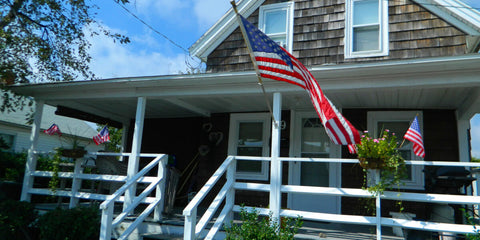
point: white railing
(194, 231)
(108, 224)
(107, 221)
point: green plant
(472, 220)
(12, 165)
(383, 152)
(55, 167)
(81, 223)
(17, 220)
(254, 227)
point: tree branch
(12, 14)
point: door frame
(235, 120)
(335, 173)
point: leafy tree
(45, 40)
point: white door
(309, 139)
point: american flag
(103, 136)
(53, 129)
(276, 63)
(413, 135)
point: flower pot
(372, 163)
(73, 153)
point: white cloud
(210, 11)
(475, 135)
(111, 60)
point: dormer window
(366, 28)
(276, 20)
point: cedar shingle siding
(319, 36)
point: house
(15, 131)
(380, 62)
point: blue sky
(183, 21)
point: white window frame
(289, 8)
(235, 120)
(383, 32)
(418, 179)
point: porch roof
(433, 83)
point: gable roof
(455, 12)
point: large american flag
(276, 63)
(103, 136)
(414, 135)
(53, 129)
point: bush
(12, 166)
(81, 223)
(261, 229)
(17, 220)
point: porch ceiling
(440, 83)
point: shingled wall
(319, 36)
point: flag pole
(252, 58)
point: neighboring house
(15, 131)
(380, 62)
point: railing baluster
(190, 224)
(378, 207)
(106, 222)
(162, 174)
(230, 197)
(76, 182)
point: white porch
(394, 85)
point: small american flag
(276, 63)
(103, 136)
(52, 130)
(413, 135)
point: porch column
(31, 164)
(463, 146)
(276, 164)
(463, 125)
(125, 128)
(136, 148)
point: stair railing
(108, 223)
(192, 230)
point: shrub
(17, 220)
(81, 223)
(261, 229)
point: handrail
(135, 202)
(130, 182)
(208, 186)
(192, 230)
(191, 210)
(107, 224)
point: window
(7, 141)
(276, 20)
(399, 122)
(249, 136)
(366, 28)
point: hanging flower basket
(372, 163)
(72, 153)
